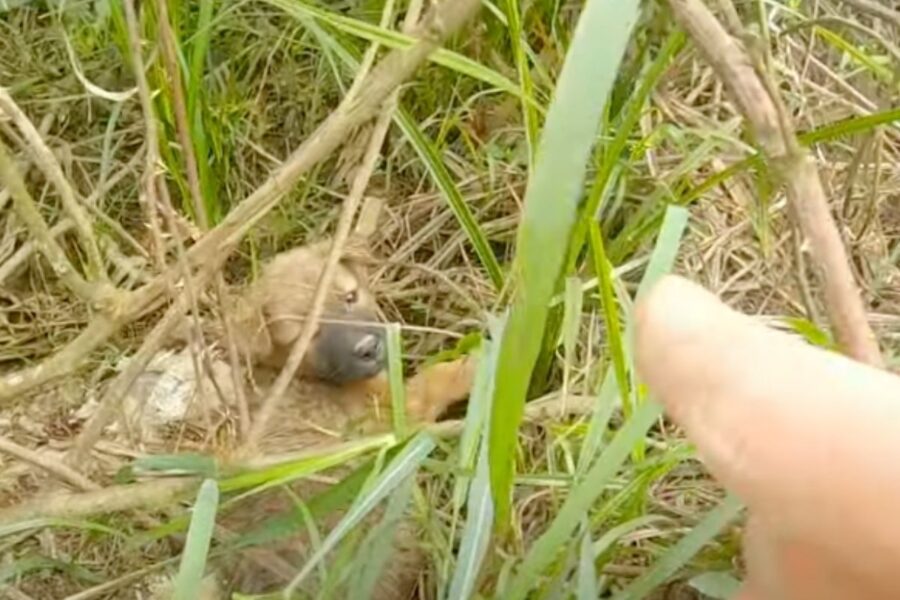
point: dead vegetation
(107, 238)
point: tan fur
(269, 314)
(315, 412)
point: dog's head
(348, 344)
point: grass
(544, 169)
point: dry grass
(269, 84)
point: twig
(148, 199)
(442, 20)
(25, 250)
(163, 492)
(65, 361)
(342, 232)
(148, 494)
(51, 466)
(877, 8)
(25, 165)
(27, 210)
(48, 164)
(768, 119)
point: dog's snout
(369, 348)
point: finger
(805, 436)
(781, 567)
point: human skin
(807, 438)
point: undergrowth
(542, 170)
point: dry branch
(211, 250)
(48, 164)
(53, 467)
(769, 122)
(27, 210)
(163, 492)
(877, 8)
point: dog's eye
(351, 297)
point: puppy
(341, 390)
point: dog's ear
(356, 254)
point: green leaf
(196, 547)
(519, 47)
(395, 379)
(716, 585)
(587, 573)
(551, 207)
(476, 534)
(441, 177)
(188, 463)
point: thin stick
(148, 199)
(27, 210)
(763, 110)
(53, 467)
(342, 232)
(877, 8)
(48, 164)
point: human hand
(808, 439)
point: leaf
(718, 585)
(551, 207)
(476, 534)
(188, 463)
(196, 547)
(587, 573)
(395, 379)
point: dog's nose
(369, 348)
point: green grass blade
(404, 465)
(545, 549)
(430, 157)
(519, 46)
(396, 40)
(624, 129)
(604, 271)
(378, 547)
(289, 471)
(395, 379)
(477, 532)
(551, 206)
(664, 253)
(196, 547)
(471, 449)
(587, 573)
(679, 554)
(441, 177)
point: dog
(340, 391)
